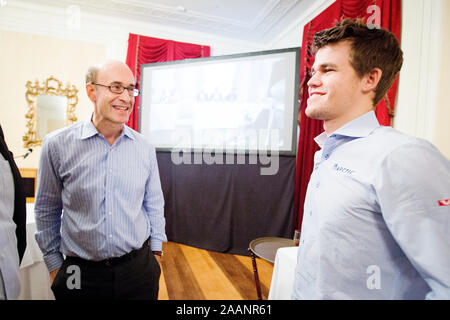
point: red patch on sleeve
(443, 203)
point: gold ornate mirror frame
(51, 87)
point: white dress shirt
(375, 223)
(9, 257)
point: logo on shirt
(338, 168)
(443, 203)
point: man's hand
(53, 275)
(158, 258)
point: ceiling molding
(271, 13)
(306, 15)
(255, 25)
(260, 22)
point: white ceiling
(250, 20)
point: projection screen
(243, 103)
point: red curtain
(390, 18)
(143, 50)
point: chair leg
(255, 273)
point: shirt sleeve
(411, 184)
(48, 207)
(154, 205)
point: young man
(104, 176)
(375, 224)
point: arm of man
(413, 179)
(48, 208)
(154, 206)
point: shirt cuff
(155, 245)
(53, 261)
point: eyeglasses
(117, 88)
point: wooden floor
(195, 274)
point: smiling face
(111, 109)
(336, 93)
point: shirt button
(327, 156)
(310, 213)
(110, 213)
(317, 184)
(110, 235)
(110, 170)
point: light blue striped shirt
(375, 222)
(97, 201)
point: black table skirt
(222, 207)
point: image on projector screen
(230, 104)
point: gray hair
(92, 73)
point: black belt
(113, 261)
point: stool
(266, 248)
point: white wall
(422, 104)
(442, 115)
(28, 57)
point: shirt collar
(357, 128)
(127, 132)
(89, 130)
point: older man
(99, 200)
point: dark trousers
(134, 276)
